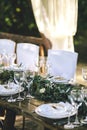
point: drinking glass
(11, 99)
(76, 102)
(84, 73)
(84, 92)
(28, 78)
(12, 58)
(0, 59)
(18, 78)
(43, 66)
(69, 125)
(5, 59)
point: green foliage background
(81, 35)
(16, 16)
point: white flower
(42, 90)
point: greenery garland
(5, 76)
(46, 90)
(41, 88)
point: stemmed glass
(69, 125)
(12, 58)
(18, 78)
(28, 78)
(84, 73)
(10, 85)
(84, 90)
(76, 102)
(42, 66)
(0, 59)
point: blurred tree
(81, 35)
(16, 16)
(82, 17)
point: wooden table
(26, 109)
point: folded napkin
(53, 109)
(6, 90)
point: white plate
(7, 91)
(14, 69)
(55, 110)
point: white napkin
(5, 90)
(52, 109)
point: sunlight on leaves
(8, 21)
(18, 10)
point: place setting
(6, 89)
(68, 102)
(15, 85)
(8, 92)
(55, 110)
(11, 85)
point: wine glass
(42, 66)
(69, 125)
(18, 78)
(76, 102)
(84, 73)
(12, 58)
(0, 59)
(5, 59)
(10, 85)
(84, 92)
(28, 78)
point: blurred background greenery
(16, 16)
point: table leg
(9, 120)
(2, 111)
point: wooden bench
(43, 42)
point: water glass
(12, 58)
(76, 102)
(18, 78)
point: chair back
(28, 55)
(62, 63)
(7, 45)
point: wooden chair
(7, 45)
(62, 63)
